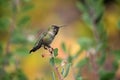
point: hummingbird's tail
(35, 48)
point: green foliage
(24, 20)
(116, 54)
(4, 23)
(27, 8)
(70, 59)
(19, 38)
(115, 65)
(79, 78)
(85, 42)
(3, 73)
(53, 76)
(66, 70)
(106, 75)
(18, 75)
(82, 63)
(92, 13)
(102, 58)
(63, 47)
(81, 7)
(55, 52)
(91, 9)
(1, 49)
(21, 51)
(26, 1)
(4, 2)
(102, 35)
(52, 61)
(57, 60)
(5, 60)
(9, 15)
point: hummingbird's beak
(62, 26)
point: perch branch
(51, 51)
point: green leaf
(62, 72)
(85, 42)
(87, 19)
(57, 60)
(1, 50)
(70, 59)
(27, 7)
(107, 75)
(81, 7)
(52, 62)
(99, 16)
(66, 71)
(20, 75)
(24, 20)
(116, 54)
(82, 63)
(19, 38)
(102, 35)
(4, 23)
(102, 58)
(79, 78)
(4, 3)
(26, 1)
(53, 76)
(115, 65)
(55, 52)
(22, 51)
(63, 47)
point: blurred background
(90, 40)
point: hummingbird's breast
(48, 38)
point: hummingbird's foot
(49, 48)
(52, 50)
(45, 48)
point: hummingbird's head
(55, 29)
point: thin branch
(57, 72)
(12, 26)
(92, 57)
(73, 73)
(51, 51)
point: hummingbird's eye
(54, 29)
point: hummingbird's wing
(38, 43)
(39, 40)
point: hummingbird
(46, 38)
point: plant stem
(73, 73)
(57, 72)
(55, 67)
(92, 57)
(12, 26)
